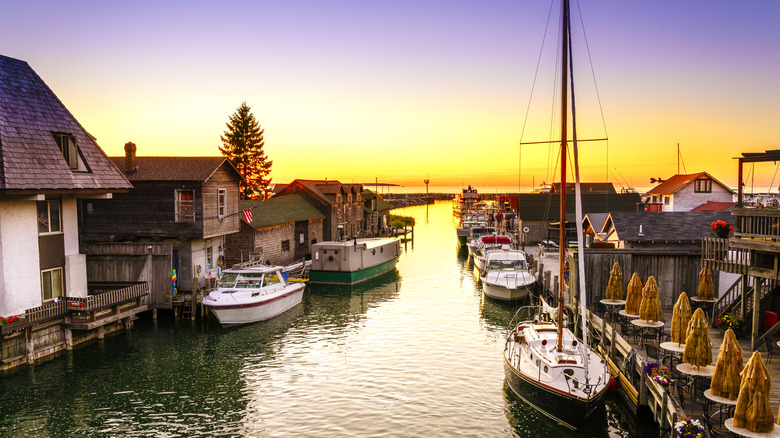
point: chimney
(130, 156)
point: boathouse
(281, 232)
(340, 204)
(49, 163)
(376, 214)
(686, 192)
(180, 208)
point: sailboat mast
(564, 125)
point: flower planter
(19, 324)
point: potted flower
(721, 229)
(11, 323)
(658, 373)
(728, 321)
(688, 427)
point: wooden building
(341, 204)
(752, 255)
(281, 232)
(376, 214)
(686, 192)
(189, 203)
(48, 163)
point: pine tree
(242, 145)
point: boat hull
(571, 412)
(244, 313)
(352, 277)
(503, 293)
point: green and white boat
(352, 261)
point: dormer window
(67, 145)
(703, 185)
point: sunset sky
(407, 89)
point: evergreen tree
(242, 145)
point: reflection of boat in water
(353, 261)
(252, 294)
(505, 275)
(346, 301)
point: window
(702, 185)
(301, 239)
(285, 245)
(70, 152)
(185, 206)
(209, 257)
(667, 199)
(49, 217)
(221, 203)
(51, 284)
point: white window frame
(221, 203)
(209, 257)
(51, 284)
(39, 219)
(178, 205)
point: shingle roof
(280, 210)
(29, 156)
(676, 226)
(325, 190)
(677, 182)
(381, 204)
(172, 168)
(715, 206)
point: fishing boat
(354, 260)
(475, 234)
(252, 293)
(545, 364)
(506, 276)
(464, 201)
(470, 220)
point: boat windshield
(250, 280)
(228, 279)
(507, 265)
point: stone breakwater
(400, 200)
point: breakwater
(400, 200)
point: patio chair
(652, 352)
(769, 349)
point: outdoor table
(693, 370)
(750, 434)
(674, 347)
(706, 305)
(610, 305)
(730, 404)
(652, 325)
(627, 315)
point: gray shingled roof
(29, 156)
(172, 168)
(280, 210)
(676, 226)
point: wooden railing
(721, 255)
(728, 300)
(757, 222)
(108, 295)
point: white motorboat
(506, 275)
(475, 233)
(486, 244)
(252, 294)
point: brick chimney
(130, 156)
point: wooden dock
(627, 359)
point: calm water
(415, 353)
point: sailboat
(545, 364)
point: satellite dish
(526, 229)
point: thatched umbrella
(681, 317)
(615, 285)
(698, 349)
(726, 380)
(753, 411)
(634, 295)
(650, 307)
(706, 290)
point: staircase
(731, 303)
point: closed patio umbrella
(698, 349)
(634, 295)
(615, 285)
(726, 380)
(706, 291)
(681, 317)
(650, 307)
(753, 411)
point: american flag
(247, 215)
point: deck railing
(108, 295)
(721, 255)
(757, 223)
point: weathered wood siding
(213, 225)
(147, 211)
(674, 271)
(149, 262)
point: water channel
(415, 353)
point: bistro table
(749, 433)
(652, 325)
(611, 305)
(674, 347)
(706, 305)
(696, 373)
(627, 315)
(729, 404)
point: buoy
(613, 384)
